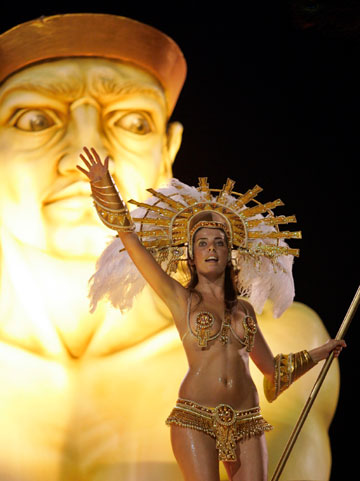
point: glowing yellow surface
(84, 397)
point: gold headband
(95, 35)
(208, 225)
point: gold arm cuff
(94, 186)
(287, 369)
(112, 213)
(117, 219)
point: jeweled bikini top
(205, 320)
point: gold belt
(224, 414)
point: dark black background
(272, 98)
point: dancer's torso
(217, 346)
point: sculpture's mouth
(75, 190)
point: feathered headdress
(258, 251)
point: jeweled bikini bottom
(223, 423)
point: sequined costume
(223, 423)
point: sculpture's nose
(84, 129)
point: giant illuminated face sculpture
(52, 107)
(84, 397)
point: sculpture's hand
(96, 169)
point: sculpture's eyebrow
(54, 87)
(107, 88)
(104, 89)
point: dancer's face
(210, 251)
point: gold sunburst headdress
(166, 224)
(171, 226)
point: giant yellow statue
(84, 396)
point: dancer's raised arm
(114, 213)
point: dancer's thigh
(252, 463)
(195, 453)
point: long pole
(293, 437)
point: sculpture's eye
(34, 121)
(135, 122)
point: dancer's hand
(96, 169)
(323, 352)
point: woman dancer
(217, 415)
